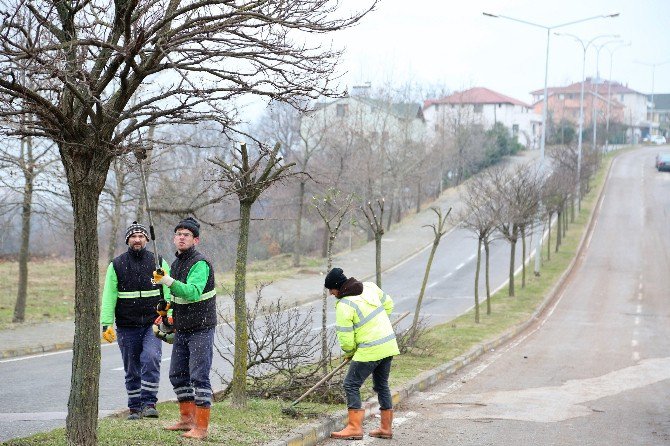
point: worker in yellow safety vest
(366, 336)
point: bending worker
(130, 298)
(366, 336)
(193, 301)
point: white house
(484, 107)
(377, 121)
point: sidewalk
(399, 244)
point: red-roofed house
(627, 106)
(484, 107)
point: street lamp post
(609, 96)
(595, 88)
(585, 47)
(538, 248)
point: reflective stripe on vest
(383, 299)
(362, 321)
(378, 341)
(136, 294)
(205, 296)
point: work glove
(160, 278)
(162, 307)
(108, 333)
(163, 329)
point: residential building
(379, 122)
(626, 106)
(660, 112)
(484, 107)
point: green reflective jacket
(363, 325)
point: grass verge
(263, 420)
(51, 285)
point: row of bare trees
(510, 204)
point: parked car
(663, 161)
(658, 139)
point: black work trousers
(359, 372)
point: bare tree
(376, 223)
(478, 216)
(332, 207)
(248, 179)
(88, 60)
(32, 161)
(438, 231)
(515, 206)
(281, 344)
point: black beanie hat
(136, 228)
(334, 279)
(191, 224)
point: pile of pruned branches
(283, 352)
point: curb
(313, 433)
(36, 350)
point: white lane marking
(637, 320)
(636, 356)
(460, 266)
(639, 296)
(639, 309)
(634, 343)
(557, 403)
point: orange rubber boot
(386, 429)
(199, 432)
(187, 422)
(354, 427)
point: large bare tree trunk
(86, 178)
(239, 392)
(24, 250)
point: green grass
(50, 291)
(259, 423)
(270, 270)
(263, 420)
(51, 285)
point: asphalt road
(36, 388)
(596, 369)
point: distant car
(658, 140)
(663, 161)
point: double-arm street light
(595, 85)
(585, 47)
(538, 249)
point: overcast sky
(451, 45)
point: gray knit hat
(136, 228)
